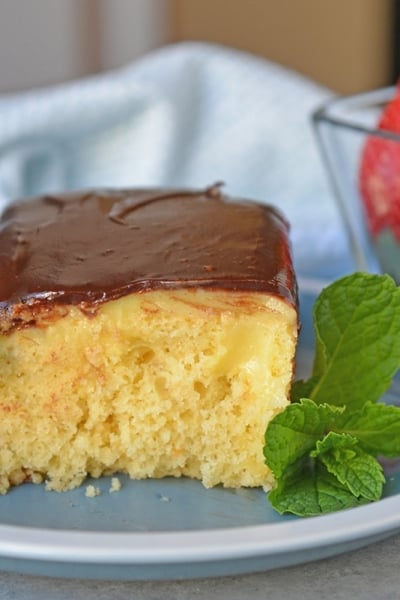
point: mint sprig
(323, 447)
(355, 469)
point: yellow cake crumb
(115, 485)
(92, 491)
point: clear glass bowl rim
(339, 112)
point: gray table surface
(371, 573)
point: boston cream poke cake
(148, 332)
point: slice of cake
(150, 332)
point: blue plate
(176, 529)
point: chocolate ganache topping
(90, 247)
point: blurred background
(348, 46)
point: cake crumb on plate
(92, 491)
(115, 485)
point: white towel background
(187, 115)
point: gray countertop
(372, 573)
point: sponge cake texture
(148, 332)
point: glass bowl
(363, 165)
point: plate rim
(71, 546)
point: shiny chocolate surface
(93, 246)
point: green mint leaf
(357, 328)
(294, 432)
(308, 489)
(355, 469)
(322, 448)
(376, 426)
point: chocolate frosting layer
(89, 247)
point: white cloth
(187, 115)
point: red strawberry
(380, 173)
